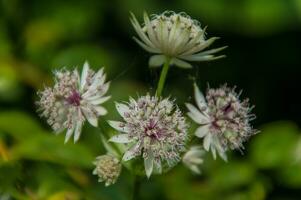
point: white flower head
(176, 36)
(73, 100)
(193, 158)
(107, 169)
(154, 128)
(223, 119)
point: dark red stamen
(74, 98)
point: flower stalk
(163, 77)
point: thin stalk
(163, 77)
(136, 189)
(107, 137)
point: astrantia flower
(73, 100)
(175, 36)
(223, 119)
(193, 158)
(154, 128)
(107, 169)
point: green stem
(163, 77)
(136, 189)
(107, 137)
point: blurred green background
(38, 36)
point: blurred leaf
(51, 148)
(274, 146)
(232, 175)
(5, 44)
(35, 143)
(290, 175)
(250, 17)
(49, 180)
(75, 56)
(26, 126)
(10, 89)
(63, 196)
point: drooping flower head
(193, 158)
(175, 36)
(107, 169)
(154, 128)
(73, 100)
(224, 120)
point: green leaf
(274, 146)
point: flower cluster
(73, 100)
(107, 169)
(223, 119)
(176, 36)
(155, 128)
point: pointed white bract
(193, 158)
(73, 100)
(154, 128)
(176, 36)
(223, 119)
(107, 169)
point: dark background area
(263, 59)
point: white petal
(78, 131)
(131, 153)
(156, 61)
(90, 116)
(208, 52)
(207, 142)
(196, 115)
(139, 31)
(195, 169)
(122, 108)
(194, 41)
(202, 131)
(149, 164)
(223, 156)
(199, 97)
(199, 47)
(150, 30)
(213, 150)
(220, 150)
(202, 58)
(100, 100)
(121, 138)
(181, 41)
(69, 134)
(98, 80)
(181, 63)
(147, 48)
(84, 76)
(96, 93)
(100, 110)
(119, 126)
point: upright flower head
(73, 100)
(154, 128)
(175, 36)
(223, 119)
(107, 169)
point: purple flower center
(74, 98)
(152, 130)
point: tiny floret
(107, 169)
(224, 120)
(193, 158)
(73, 100)
(175, 36)
(155, 129)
